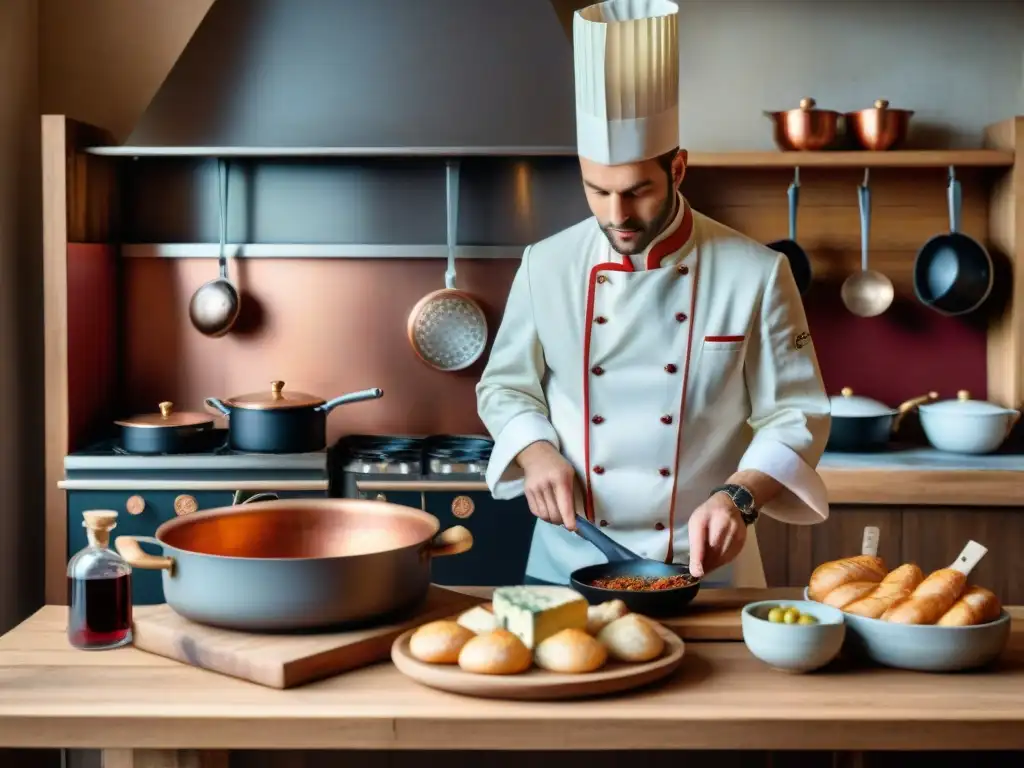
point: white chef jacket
(656, 384)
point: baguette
(828, 576)
(976, 605)
(896, 587)
(842, 596)
(930, 600)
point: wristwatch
(742, 498)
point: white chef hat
(627, 80)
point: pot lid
(167, 417)
(964, 405)
(275, 398)
(848, 404)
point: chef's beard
(648, 229)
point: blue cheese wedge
(534, 614)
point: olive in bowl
(796, 636)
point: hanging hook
(796, 176)
(867, 177)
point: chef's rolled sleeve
(510, 394)
(790, 412)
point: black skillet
(799, 263)
(622, 562)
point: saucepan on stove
(964, 425)
(168, 431)
(277, 421)
(646, 586)
(296, 564)
(862, 424)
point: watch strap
(742, 498)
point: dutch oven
(964, 425)
(298, 564)
(862, 424)
(165, 432)
(276, 421)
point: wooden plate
(539, 684)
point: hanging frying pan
(447, 329)
(799, 262)
(953, 273)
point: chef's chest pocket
(720, 371)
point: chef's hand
(717, 534)
(549, 483)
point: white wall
(958, 63)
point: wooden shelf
(316, 251)
(911, 158)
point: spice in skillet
(643, 583)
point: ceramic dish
(793, 647)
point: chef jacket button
(659, 526)
(600, 320)
(602, 279)
(597, 370)
(681, 317)
(598, 470)
(598, 419)
(670, 368)
(666, 419)
(664, 472)
(603, 523)
(682, 269)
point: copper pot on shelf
(879, 128)
(806, 128)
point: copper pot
(879, 128)
(296, 563)
(806, 128)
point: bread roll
(976, 605)
(895, 587)
(632, 638)
(479, 619)
(439, 642)
(843, 595)
(932, 598)
(572, 651)
(495, 653)
(600, 616)
(828, 576)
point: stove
(442, 475)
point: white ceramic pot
(966, 426)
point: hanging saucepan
(296, 564)
(799, 263)
(861, 424)
(166, 432)
(953, 273)
(282, 422)
(967, 426)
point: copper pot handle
(128, 548)
(906, 407)
(451, 541)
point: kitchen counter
(124, 700)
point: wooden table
(144, 710)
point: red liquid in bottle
(100, 613)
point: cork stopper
(100, 520)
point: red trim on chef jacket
(658, 252)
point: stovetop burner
(435, 454)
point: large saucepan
(296, 564)
(282, 422)
(863, 424)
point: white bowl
(926, 647)
(793, 647)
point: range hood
(394, 76)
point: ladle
(215, 305)
(867, 293)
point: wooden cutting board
(281, 661)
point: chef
(653, 369)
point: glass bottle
(99, 589)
